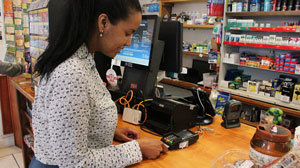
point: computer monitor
(142, 58)
(138, 54)
(171, 33)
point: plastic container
(269, 143)
(230, 159)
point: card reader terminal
(180, 139)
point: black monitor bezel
(154, 39)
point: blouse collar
(83, 53)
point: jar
(269, 143)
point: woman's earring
(101, 33)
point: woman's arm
(69, 123)
(11, 69)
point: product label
(260, 157)
(111, 77)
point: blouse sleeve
(69, 116)
(11, 69)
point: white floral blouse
(74, 119)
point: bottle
(297, 6)
(229, 6)
(267, 5)
(208, 7)
(290, 5)
(284, 5)
(262, 5)
(278, 5)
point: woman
(74, 118)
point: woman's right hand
(151, 148)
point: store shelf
(195, 54)
(260, 68)
(272, 13)
(279, 47)
(264, 29)
(198, 26)
(258, 97)
(175, 1)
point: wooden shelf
(276, 13)
(262, 101)
(261, 69)
(195, 54)
(29, 131)
(185, 85)
(27, 116)
(198, 26)
(254, 124)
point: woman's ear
(102, 22)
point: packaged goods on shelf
(262, 5)
(195, 47)
(296, 95)
(271, 39)
(232, 73)
(253, 86)
(286, 88)
(233, 58)
(287, 62)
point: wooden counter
(200, 154)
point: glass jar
(269, 143)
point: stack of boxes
(287, 63)
(283, 63)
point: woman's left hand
(126, 134)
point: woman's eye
(128, 34)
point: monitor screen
(141, 44)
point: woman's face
(116, 37)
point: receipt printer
(168, 115)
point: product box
(222, 99)
(297, 69)
(234, 85)
(253, 86)
(242, 78)
(243, 61)
(296, 95)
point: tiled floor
(11, 157)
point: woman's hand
(126, 134)
(152, 148)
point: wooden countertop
(202, 153)
(24, 86)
